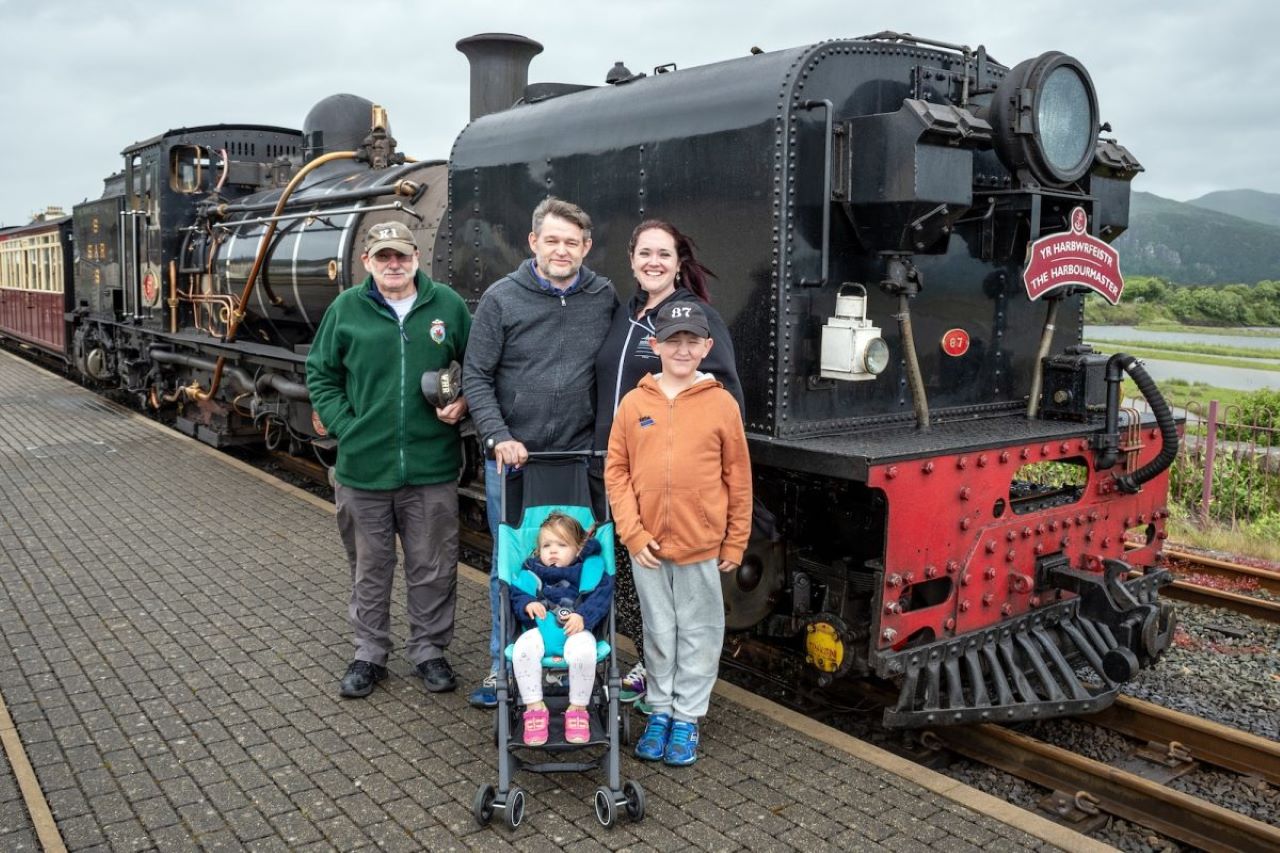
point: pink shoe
(536, 725)
(577, 727)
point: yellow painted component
(824, 648)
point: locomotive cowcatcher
(951, 494)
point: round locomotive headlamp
(875, 358)
(1045, 117)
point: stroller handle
(550, 456)
(567, 454)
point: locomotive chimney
(499, 69)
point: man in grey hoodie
(529, 373)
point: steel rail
(1267, 579)
(1206, 741)
(1255, 608)
(1126, 795)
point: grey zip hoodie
(529, 373)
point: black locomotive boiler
(958, 498)
(202, 273)
(956, 495)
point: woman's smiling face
(654, 263)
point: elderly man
(530, 368)
(398, 456)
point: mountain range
(1225, 237)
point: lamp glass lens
(1065, 119)
(876, 357)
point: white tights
(579, 652)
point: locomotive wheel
(635, 800)
(515, 807)
(606, 809)
(482, 806)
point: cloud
(1183, 85)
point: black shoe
(438, 675)
(360, 678)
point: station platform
(172, 632)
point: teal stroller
(557, 482)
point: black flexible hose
(1131, 483)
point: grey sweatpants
(683, 612)
(425, 519)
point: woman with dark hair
(665, 270)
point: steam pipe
(1046, 341)
(244, 383)
(239, 376)
(919, 401)
(1131, 483)
(173, 297)
(284, 387)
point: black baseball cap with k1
(680, 317)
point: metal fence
(1227, 471)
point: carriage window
(187, 166)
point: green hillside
(1253, 205)
(1187, 244)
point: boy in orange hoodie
(679, 481)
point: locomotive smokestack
(499, 69)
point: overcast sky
(1189, 87)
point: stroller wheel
(515, 807)
(606, 809)
(482, 807)
(635, 800)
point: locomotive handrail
(826, 190)
(404, 187)
(317, 212)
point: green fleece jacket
(364, 373)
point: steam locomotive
(951, 495)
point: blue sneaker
(486, 695)
(653, 743)
(682, 748)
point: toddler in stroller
(558, 619)
(558, 595)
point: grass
(1184, 531)
(1204, 349)
(1189, 358)
(1209, 330)
(1179, 392)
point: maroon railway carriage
(35, 268)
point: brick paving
(171, 635)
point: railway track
(1099, 787)
(1084, 791)
(1184, 589)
